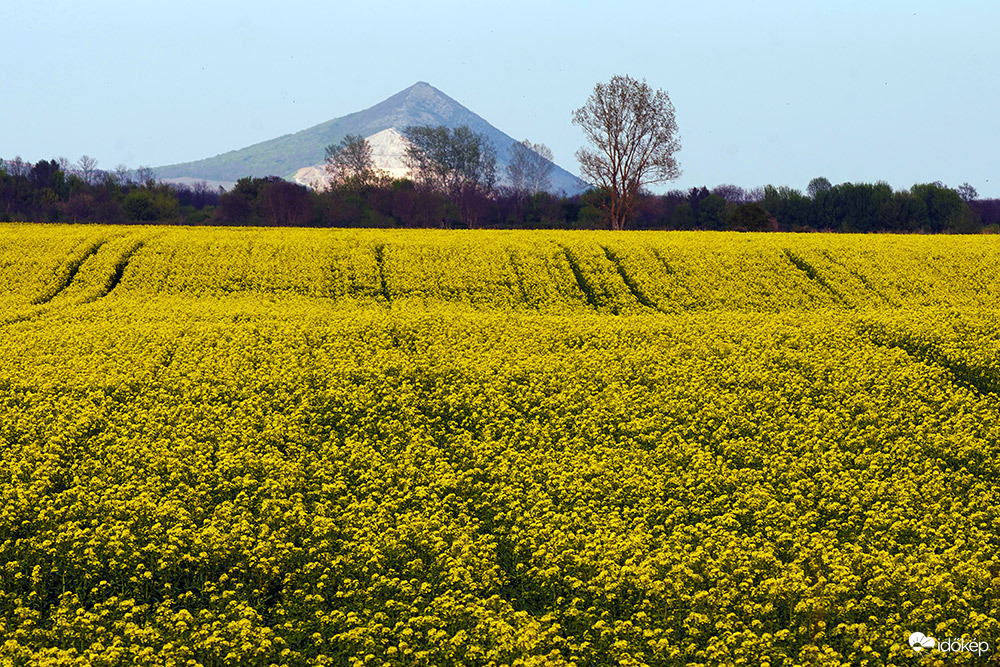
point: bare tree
(283, 203)
(733, 194)
(634, 136)
(349, 163)
(967, 192)
(86, 168)
(145, 175)
(122, 175)
(18, 167)
(530, 168)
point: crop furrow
(119, 270)
(630, 282)
(581, 281)
(859, 276)
(520, 279)
(380, 263)
(979, 380)
(666, 266)
(812, 273)
(69, 273)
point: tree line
(57, 191)
(454, 182)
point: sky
(766, 92)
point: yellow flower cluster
(321, 447)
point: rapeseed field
(373, 447)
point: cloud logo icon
(919, 641)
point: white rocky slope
(388, 153)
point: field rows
(549, 272)
(390, 448)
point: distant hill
(420, 104)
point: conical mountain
(420, 104)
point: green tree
(945, 207)
(712, 212)
(145, 204)
(139, 206)
(902, 212)
(855, 207)
(682, 217)
(239, 205)
(788, 206)
(349, 163)
(818, 185)
(751, 217)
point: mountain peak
(418, 90)
(422, 87)
(419, 104)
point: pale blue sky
(765, 92)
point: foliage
(456, 161)
(945, 206)
(51, 191)
(818, 185)
(749, 217)
(349, 164)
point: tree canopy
(530, 168)
(459, 162)
(633, 135)
(349, 163)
